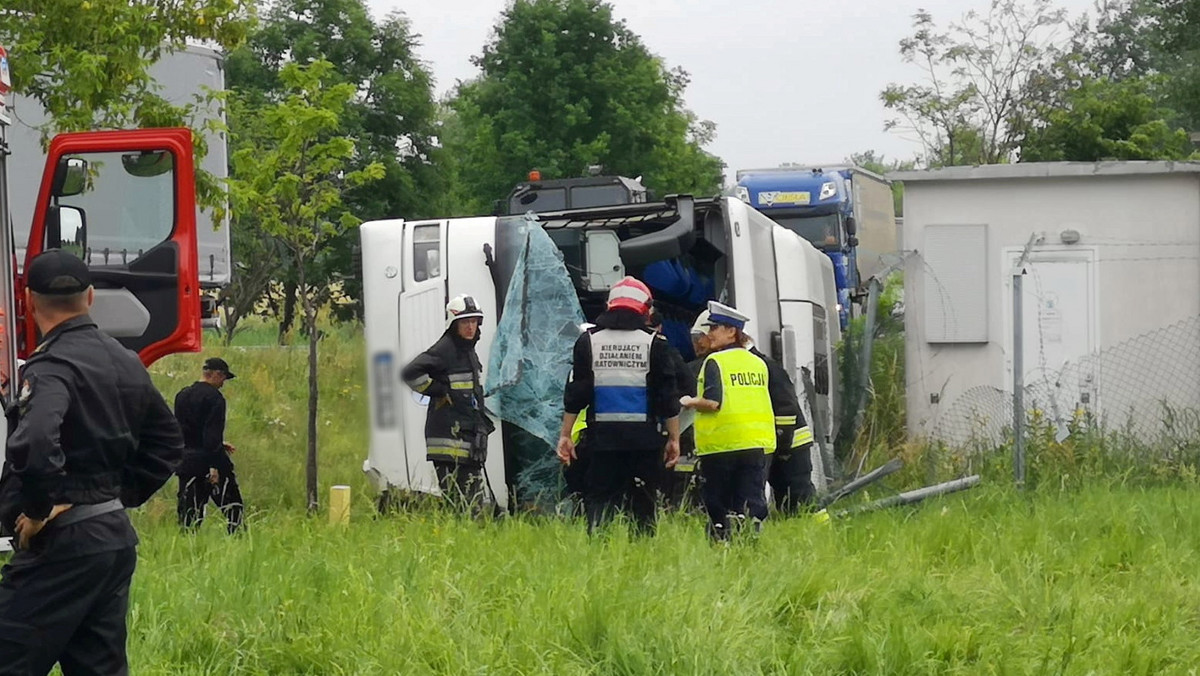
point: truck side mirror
(70, 176)
(148, 163)
(66, 228)
(851, 226)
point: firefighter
(789, 463)
(621, 373)
(457, 425)
(735, 424)
(672, 482)
(89, 436)
(207, 468)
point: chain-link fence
(1147, 389)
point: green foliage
(883, 431)
(290, 171)
(86, 62)
(973, 94)
(392, 119)
(565, 85)
(1106, 120)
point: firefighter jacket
(622, 374)
(791, 430)
(737, 380)
(456, 426)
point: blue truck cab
(823, 205)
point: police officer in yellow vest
(735, 424)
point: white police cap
(723, 315)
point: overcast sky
(784, 80)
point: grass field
(1101, 578)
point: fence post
(1018, 377)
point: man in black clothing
(674, 481)
(206, 472)
(789, 468)
(621, 373)
(89, 435)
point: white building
(1111, 295)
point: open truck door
(125, 202)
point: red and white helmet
(630, 294)
(462, 307)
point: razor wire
(1146, 388)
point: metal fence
(1147, 388)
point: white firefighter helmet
(462, 307)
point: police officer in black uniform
(89, 436)
(207, 469)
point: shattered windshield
(531, 356)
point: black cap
(55, 272)
(217, 364)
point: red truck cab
(124, 202)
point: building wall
(1144, 233)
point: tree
(86, 61)
(1105, 120)
(970, 108)
(392, 115)
(565, 86)
(290, 174)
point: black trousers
(733, 486)
(575, 474)
(70, 611)
(790, 477)
(461, 483)
(679, 489)
(623, 481)
(195, 492)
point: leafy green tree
(290, 175)
(393, 116)
(1106, 120)
(564, 86)
(972, 98)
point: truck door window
(124, 207)
(427, 252)
(604, 267)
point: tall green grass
(1103, 580)
(1096, 576)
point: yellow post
(339, 504)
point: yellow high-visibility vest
(746, 419)
(579, 426)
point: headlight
(828, 190)
(742, 193)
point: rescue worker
(678, 480)
(735, 425)
(206, 472)
(789, 462)
(621, 373)
(457, 425)
(89, 436)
